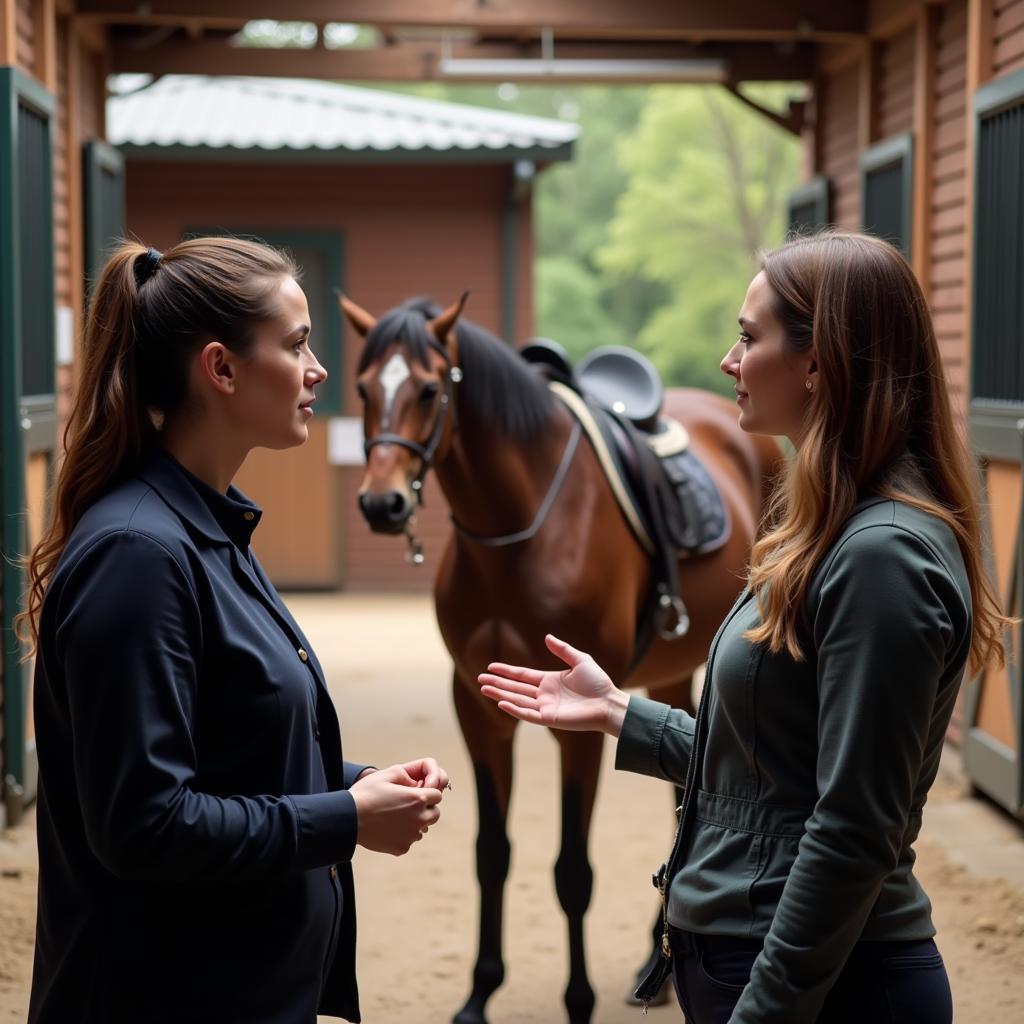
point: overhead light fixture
(603, 68)
(565, 68)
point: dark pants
(881, 983)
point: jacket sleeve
(352, 771)
(129, 635)
(655, 740)
(882, 630)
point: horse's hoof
(470, 1014)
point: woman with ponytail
(196, 818)
(789, 894)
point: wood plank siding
(1007, 37)
(25, 35)
(839, 118)
(894, 86)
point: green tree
(707, 178)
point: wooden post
(45, 21)
(979, 70)
(8, 33)
(925, 40)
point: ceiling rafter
(213, 54)
(810, 20)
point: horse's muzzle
(387, 512)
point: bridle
(425, 452)
(426, 455)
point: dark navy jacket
(195, 829)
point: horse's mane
(497, 384)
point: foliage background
(648, 237)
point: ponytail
(149, 313)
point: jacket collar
(216, 517)
(222, 518)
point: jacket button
(303, 656)
(334, 871)
(249, 516)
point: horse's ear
(362, 321)
(442, 324)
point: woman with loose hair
(196, 819)
(789, 894)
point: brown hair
(148, 315)
(879, 422)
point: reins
(542, 513)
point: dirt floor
(390, 681)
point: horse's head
(405, 379)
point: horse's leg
(679, 695)
(489, 741)
(581, 766)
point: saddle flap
(625, 381)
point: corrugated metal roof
(286, 115)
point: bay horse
(442, 393)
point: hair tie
(145, 267)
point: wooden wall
(885, 74)
(1007, 37)
(408, 230)
(837, 143)
(894, 86)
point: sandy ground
(418, 914)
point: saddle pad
(697, 520)
(700, 523)
(628, 507)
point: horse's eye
(429, 393)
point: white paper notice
(345, 441)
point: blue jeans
(881, 982)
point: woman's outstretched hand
(580, 698)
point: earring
(809, 384)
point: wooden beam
(980, 19)
(887, 18)
(925, 44)
(8, 33)
(723, 19)
(410, 62)
(45, 23)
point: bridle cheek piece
(425, 452)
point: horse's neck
(495, 485)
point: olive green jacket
(805, 780)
